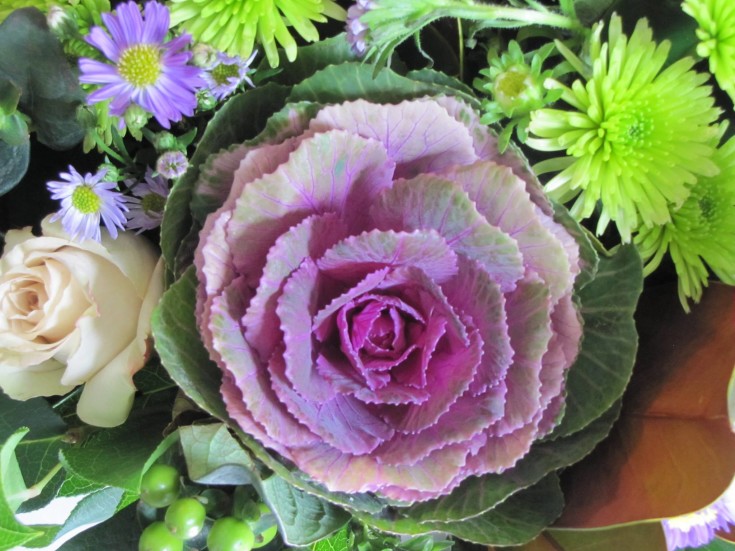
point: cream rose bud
(76, 313)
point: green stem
(37, 488)
(104, 147)
(460, 34)
(485, 12)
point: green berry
(185, 518)
(264, 535)
(160, 485)
(230, 534)
(156, 537)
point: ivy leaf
(339, 541)
(303, 518)
(12, 533)
(214, 457)
(116, 457)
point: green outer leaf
(117, 457)
(213, 456)
(303, 518)
(718, 545)
(605, 363)
(312, 58)
(351, 81)
(515, 521)
(12, 533)
(479, 494)
(589, 258)
(240, 118)
(14, 161)
(177, 341)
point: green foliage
(214, 457)
(303, 518)
(179, 346)
(49, 92)
(119, 532)
(126, 448)
(605, 363)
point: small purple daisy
(699, 528)
(226, 73)
(84, 200)
(145, 70)
(146, 208)
(172, 164)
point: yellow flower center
(223, 71)
(153, 202)
(140, 65)
(85, 200)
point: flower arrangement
(276, 276)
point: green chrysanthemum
(716, 32)
(233, 26)
(700, 232)
(638, 136)
(515, 83)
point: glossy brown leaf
(648, 537)
(673, 450)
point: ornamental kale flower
(716, 19)
(145, 69)
(234, 26)
(86, 199)
(699, 528)
(516, 89)
(146, 208)
(227, 73)
(638, 137)
(700, 233)
(388, 298)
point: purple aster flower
(172, 164)
(226, 74)
(84, 199)
(146, 208)
(699, 528)
(145, 70)
(357, 31)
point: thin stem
(485, 12)
(460, 33)
(107, 149)
(37, 488)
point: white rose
(76, 313)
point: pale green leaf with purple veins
(331, 172)
(434, 203)
(419, 136)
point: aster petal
(102, 41)
(156, 23)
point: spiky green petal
(234, 26)
(716, 32)
(700, 234)
(639, 135)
